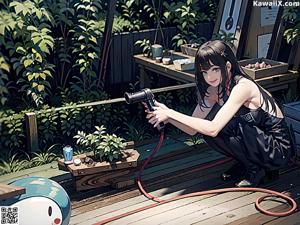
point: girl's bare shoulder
(246, 83)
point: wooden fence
(31, 124)
(122, 68)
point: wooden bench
(272, 83)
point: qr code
(9, 215)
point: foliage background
(50, 57)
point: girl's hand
(156, 103)
(161, 105)
(160, 113)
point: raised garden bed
(261, 67)
(98, 174)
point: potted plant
(192, 48)
(106, 158)
(153, 50)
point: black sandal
(252, 178)
(234, 172)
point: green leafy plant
(154, 10)
(185, 96)
(226, 37)
(13, 135)
(137, 130)
(4, 70)
(63, 13)
(130, 15)
(194, 140)
(68, 119)
(292, 15)
(13, 164)
(103, 114)
(30, 44)
(145, 44)
(105, 147)
(48, 125)
(86, 48)
(186, 109)
(45, 156)
(166, 98)
(119, 116)
(197, 42)
(185, 16)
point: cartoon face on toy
(44, 203)
(39, 210)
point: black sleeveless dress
(254, 137)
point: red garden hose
(216, 191)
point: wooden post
(31, 132)
(277, 36)
(144, 78)
(294, 57)
(106, 40)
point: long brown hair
(219, 53)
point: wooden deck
(173, 175)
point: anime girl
(236, 116)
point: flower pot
(157, 51)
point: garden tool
(144, 95)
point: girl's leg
(247, 172)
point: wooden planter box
(292, 117)
(276, 68)
(188, 50)
(101, 174)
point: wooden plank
(126, 58)
(89, 179)
(151, 185)
(84, 169)
(241, 212)
(98, 180)
(277, 88)
(93, 216)
(290, 75)
(164, 214)
(284, 83)
(188, 76)
(296, 62)
(130, 61)
(49, 170)
(292, 219)
(259, 218)
(172, 168)
(31, 132)
(126, 208)
(9, 191)
(200, 181)
(187, 213)
(111, 61)
(117, 66)
(244, 207)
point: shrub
(106, 147)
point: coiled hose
(158, 201)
